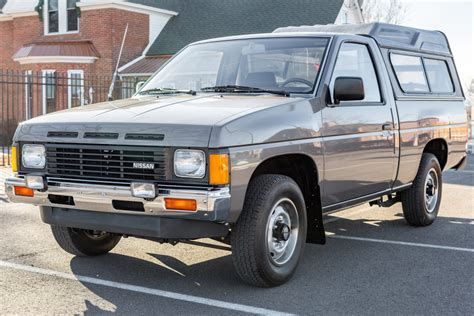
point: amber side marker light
(14, 159)
(218, 169)
(24, 191)
(181, 204)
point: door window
(354, 60)
(28, 94)
(49, 91)
(75, 88)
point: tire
(418, 208)
(84, 243)
(274, 205)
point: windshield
(274, 65)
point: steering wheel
(297, 80)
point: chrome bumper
(212, 204)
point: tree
(388, 11)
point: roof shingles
(203, 19)
(2, 4)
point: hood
(183, 120)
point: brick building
(66, 46)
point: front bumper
(213, 204)
(150, 227)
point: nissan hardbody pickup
(250, 140)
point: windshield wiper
(166, 91)
(244, 89)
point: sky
(455, 19)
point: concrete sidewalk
(5, 172)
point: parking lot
(373, 263)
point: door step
(390, 200)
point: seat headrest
(261, 80)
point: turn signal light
(24, 191)
(181, 204)
(14, 159)
(218, 169)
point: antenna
(114, 77)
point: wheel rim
(95, 234)
(282, 231)
(431, 190)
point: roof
(76, 49)
(203, 19)
(387, 35)
(145, 66)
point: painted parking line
(144, 290)
(402, 243)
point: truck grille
(102, 162)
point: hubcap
(95, 234)
(282, 231)
(431, 190)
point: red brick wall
(105, 28)
(6, 42)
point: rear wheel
(268, 240)
(84, 243)
(421, 201)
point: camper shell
(392, 39)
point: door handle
(387, 126)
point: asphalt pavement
(373, 263)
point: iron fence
(27, 94)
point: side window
(438, 76)
(410, 73)
(354, 61)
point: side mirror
(139, 85)
(348, 89)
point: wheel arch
(303, 170)
(439, 148)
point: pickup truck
(250, 140)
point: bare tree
(388, 11)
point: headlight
(33, 156)
(189, 163)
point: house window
(49, 91)
(72, 18)
(61, 17)
(75, 88)
(53, 16)
(28, 94)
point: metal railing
(27, 94)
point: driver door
(359, 146)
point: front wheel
(421, 201)
(84, 243)
(268, 240)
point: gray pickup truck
(249, 140)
